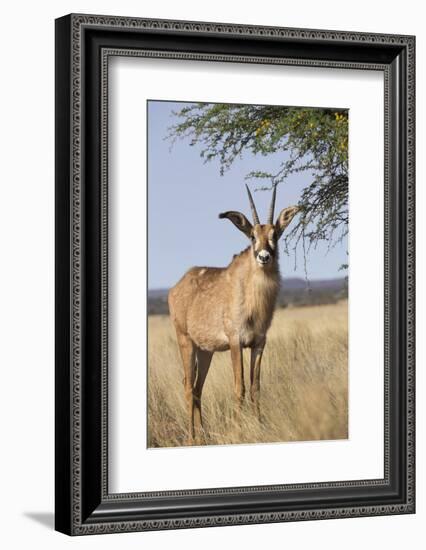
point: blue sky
(185, 197)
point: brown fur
(214, 305)
(218, 309)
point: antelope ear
(239, 220)
(285, 217)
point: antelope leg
(203, 360)
(187, 351)
(255, 362)
(238, 368)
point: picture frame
(83, 503)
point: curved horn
(272, 207)
(253, 207)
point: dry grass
(304, 383)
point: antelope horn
(272, 207)
(253, 207)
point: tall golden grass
(304, 383)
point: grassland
(304, 383)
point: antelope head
(263, 237)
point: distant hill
(297, 283)
(294, 292)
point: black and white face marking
(264, 244)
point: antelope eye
(252, 238)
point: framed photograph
(234, 274)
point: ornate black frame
(83, 46)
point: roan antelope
(229, 308)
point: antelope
(229, 308)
